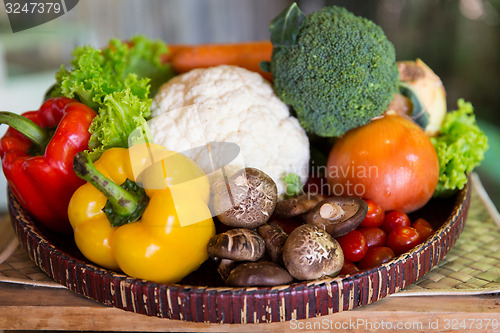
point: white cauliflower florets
(231, 104)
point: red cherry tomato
(395, 219)
(376, 256)
(288, 225)
(353, 245)
(403, 239)
(375, 215)
(348, 268)
(424, 228)
(374, 236)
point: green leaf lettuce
(460, 147)
(121, 113)
(118, 82)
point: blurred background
(458, 39)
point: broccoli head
(335, 69)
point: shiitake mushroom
(260, 273)
(338, 215)
(311, 253)
(252, 199)
(275, 239)
(237, 244)
(296, 206)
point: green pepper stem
(123, 202)
(27, 127)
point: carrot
(173, 49)
(184, 58)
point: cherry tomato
(353, 245)
(375, 215)
(374, 236)
(403, 239)
(424, 228)
(376, 256)
(395, 219)
(348, 268)
(288, 225)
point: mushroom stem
(225, 267)
(331, 211)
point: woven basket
(201, 298)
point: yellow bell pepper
(136, 230)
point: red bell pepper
(37, 154)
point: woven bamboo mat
(471, 267)
(15, 264)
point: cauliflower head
(231, 104)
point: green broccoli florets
(335, 69)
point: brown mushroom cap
(275, 239)
(253, 196)
(237, 244)
(296, 206)
(311, 253)
(338, 215)
(260, 273)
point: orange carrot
(248, 55)
(173, 49)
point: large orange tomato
(390, 161)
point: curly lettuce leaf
(460, 147)
(116, 81)
(140, 56)
(121, 113)
(97, 73)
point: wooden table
(24, 307)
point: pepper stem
(27, 127)
(125, 204)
